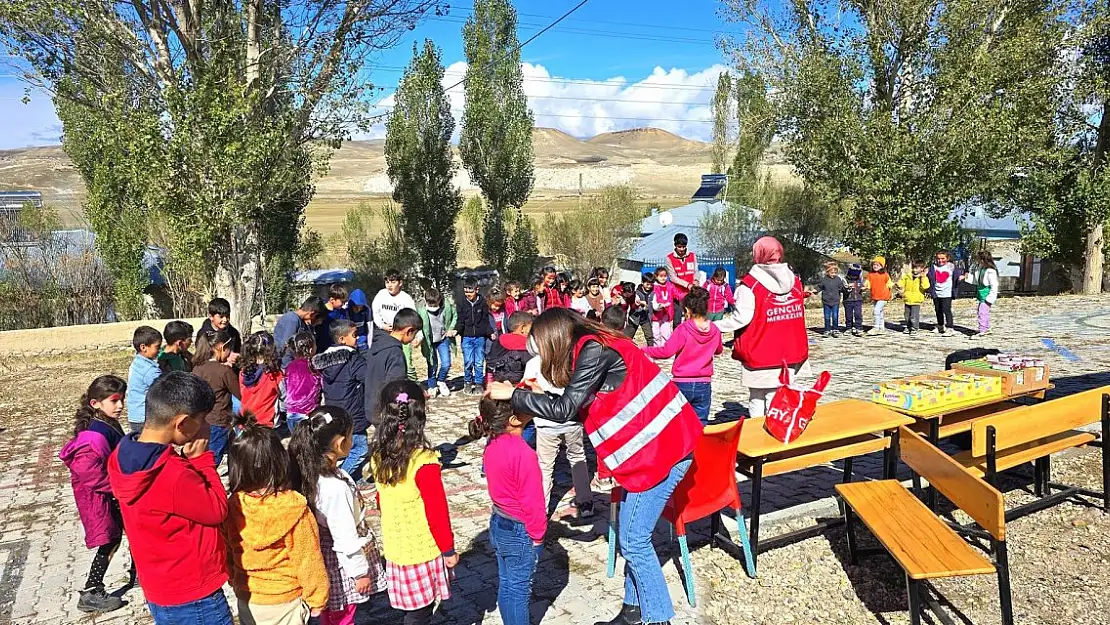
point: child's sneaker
(444, 390)
(468, 389)
(907, 331)
(432, 392)
(585, 510)
(97, 601)
(835, 334)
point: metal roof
(657, 240)
(976, 220)
(322, 276)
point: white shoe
(976, 336)
(432, 392)
(444, 390)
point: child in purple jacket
(96, 433)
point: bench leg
(1038, 477)
(913, 594)
(1046, 474)
(1002, 561)
(757, 504)
(890, 467)
(850, 528)
(934, 438)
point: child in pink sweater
(693, 344)
(720, 294)
(662, 306)
(519, 518)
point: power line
(602, 33)
(615, 23)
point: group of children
(937, 282)
(336, 376)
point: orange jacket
(881, 284)
(274, 550)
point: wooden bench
(1032, 434)
(922, 543)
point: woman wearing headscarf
(643, 429)
(770, 324)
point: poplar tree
(419, 164)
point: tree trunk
(1092, 260)
(238, 276)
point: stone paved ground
(43, 560)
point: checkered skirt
(341, 588)
(415, 586)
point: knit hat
(879, 259)
(854, 271)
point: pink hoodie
(719, 296)
(695, 349)
(663, 301)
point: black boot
(629, 615)
(96, 600)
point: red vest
(642, 428)
(777, 333)
(685, 268)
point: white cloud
(674, 100)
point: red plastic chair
(708, 487)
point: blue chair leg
(613, 516)
(746, 544)
(687, 570)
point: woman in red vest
(643, 429)
(771, 322)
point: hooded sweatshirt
(385, 362)
(361, 318)
(274, 550)
(693, 348)
(776, 278)
(261, 391)
(173, 508)
(343, 372)
(507, 357)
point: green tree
(418, 158)
(604, 229)
(523, 248)
(905, 110)
(213, 115)
(722, 114)
(496, 138)
(756, 127)
(1067, 187)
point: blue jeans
(516, 564)
(217, 442)
(853, 313)
(474, 359)
(439, 363)
(644, 584)
(353, 464)
(700, 396)
(292, 419)
(832, 316)
(211, 610)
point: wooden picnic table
(840, 430)
(946, 421)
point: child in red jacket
(260, 381)
(173, 504)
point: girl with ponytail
(273, 540)
(317, 448)
(210, 363)
(96, 433)
(417, 540)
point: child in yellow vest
(417, 540)
(914, 286)
(319, 444)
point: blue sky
(611, 65)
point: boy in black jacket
(343, 372)
(386, 357)
(509, 353)
(639, 317)
(474, 327)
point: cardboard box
(1013, 382)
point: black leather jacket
(598, 369)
